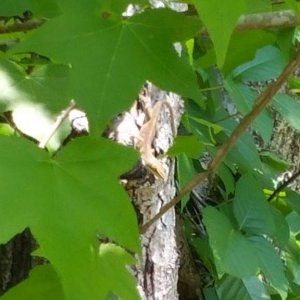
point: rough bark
(158, 264)
(285, 142)
(284, 18)
(15, 260)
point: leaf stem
(212, 88)
(56, 125)
(260, 103)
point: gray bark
(158, 264)
(285, 142)
(284, 18)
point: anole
(146, 136)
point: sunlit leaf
(117, 54)
(46, 83)
(220, 18)
(67, 202)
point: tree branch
(260, 103)
(283, 18)
(284, 185)
(22, 27)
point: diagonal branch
(283, 18)
(284, 185)
(22, 27)
(261, 101)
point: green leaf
(227, 179)
(270, 264)
(46, 83)
(214, 128)
(185, 171)
(117, 54)
(67, 201)
(291, 254)
(205, 61)
(293, 84)
(243, 97)
(189, 145)
(210, 293)
(6, 129)
(250, 288)
(282, 233)
(243, 46)
(273, 161)
(293, 219)
(220, 18)
(244, 155)
(256, 6)
(203, 250)
(251, 208)
(43, 283)
(112, 261)
(267, 64)
(294, 5)
(256, 288)
(289, 109)
(227, 245)
(292, 200)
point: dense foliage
(53, 51)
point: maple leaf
(67, 202)
(111, 57)
(47, 82)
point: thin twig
(56, 125)
(212, 88)
(283, 185)
(261, 101)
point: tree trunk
(158, 264)
(285, 142)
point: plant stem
(56, 125)
(284, 185)
(260, 103)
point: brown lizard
(146, 136)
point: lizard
(146, 136)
